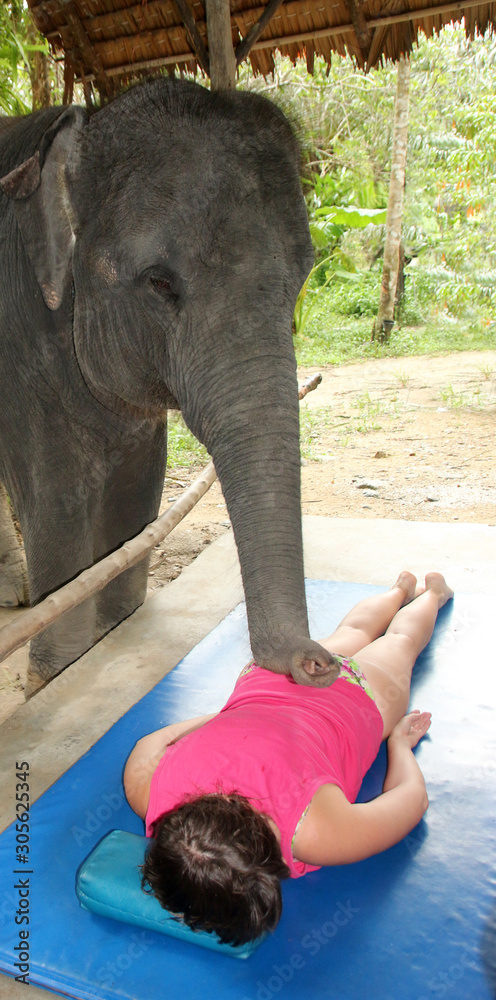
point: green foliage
(20, 67)
(324, 191)
(308, 297)
(357, 299)
(329, 223)
(183, 449)
(312, 423)
(345, 121)
(351, 217)
(450, 216)
(464, 292)
(15, 95)
(333, 337)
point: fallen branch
(95, 578)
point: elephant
(151, 255)
(13, 581)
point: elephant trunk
(253, 437)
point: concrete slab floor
(64, 720)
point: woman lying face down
(265, 789)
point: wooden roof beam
(363, 32)
(255, 31)
(194, 37)
(377, 46)
(88, 57)
(380, 34)
(452, 7)
(126, 69)
(74, 58)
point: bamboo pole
(95, 578)
(90, 581)
(309, 385)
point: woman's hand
(410, 729)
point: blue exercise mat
(415, 922)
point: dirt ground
(409, 438)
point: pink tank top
(276, 743)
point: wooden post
(220, 47)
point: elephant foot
(13, 581)
(34, 683)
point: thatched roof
(109, 40)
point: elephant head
(174, 219)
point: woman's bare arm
(336, 832)
(146, 755)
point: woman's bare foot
(406, 582)
(437, 583)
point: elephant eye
(161, 284)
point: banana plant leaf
(350, 216)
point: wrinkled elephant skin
(13, 579)
(151, 256)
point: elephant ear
(39, 188)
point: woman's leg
(388, 661)
(370, 618)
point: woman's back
(276, 743)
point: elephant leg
(56, 521)
(13, 574)
(131, 499)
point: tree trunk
(220, 47)
(385, 316)
(38, 71)
(400, 283)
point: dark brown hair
(216, 863)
